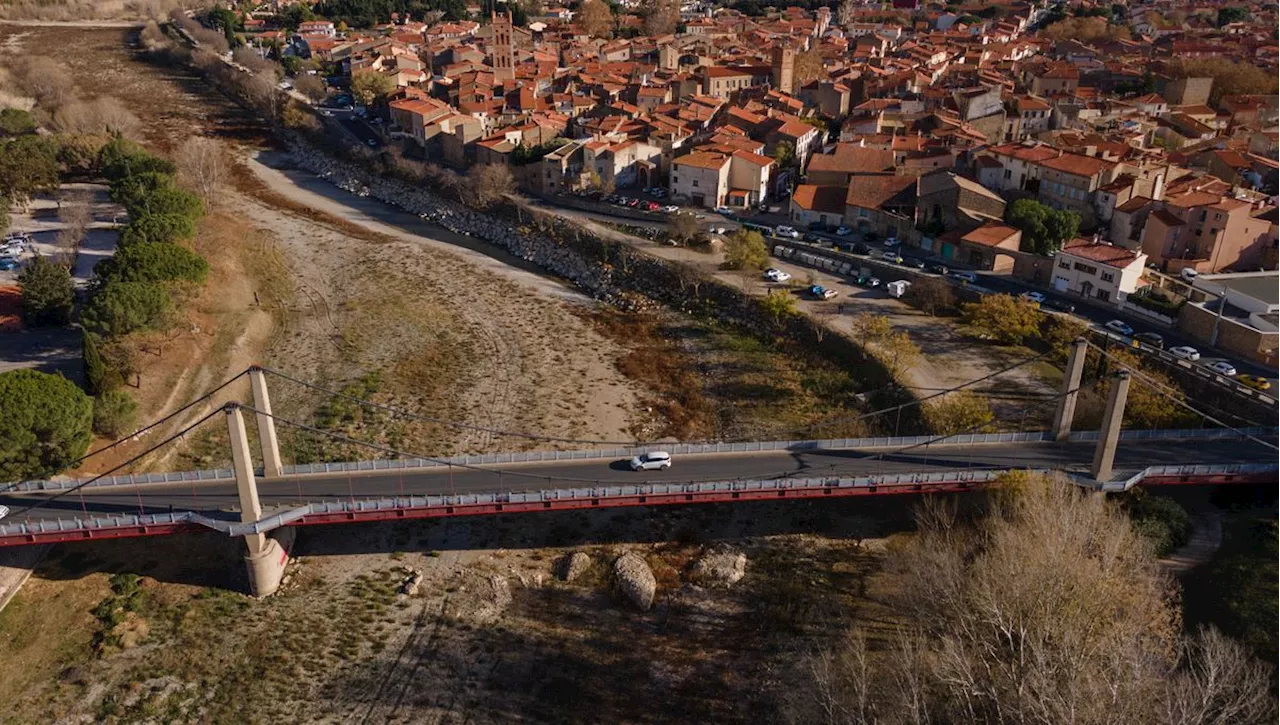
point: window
(1008, 173)
(1108, 277)
(695, 183)
(675, 179)
(1104, 295)
(1203, 214)
(1064, 264)
(1213, 231)
(1087, 269)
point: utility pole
(1217, 320)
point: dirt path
(1206, 539)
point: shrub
(114, 414)
(1160, 520)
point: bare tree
(1047, 609)
(74, 214)
(104, 114)
(45, 80)
(310, 86)
(844, 13)
(260, 90)
(202, 167)
(489, 183)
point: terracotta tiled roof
(990, 234)
(871, 192)
(1107, 254)
(829, 199)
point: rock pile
(635, 579)
(573, 566)
(720, 567)
(409, 586)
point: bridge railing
(682, 449)
(26, 531)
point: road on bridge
(217, 499)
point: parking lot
(40, 223)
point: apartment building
(713, 178)
(1207, 233)
(1070, 180)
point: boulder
(573, 566)
(720, 567)
(636, 580)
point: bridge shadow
(203, 559)
(855, 518)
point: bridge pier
(1066, 411)
(1104, 456)
(271, 466)
(267, 555)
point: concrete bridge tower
(268, 554)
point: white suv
(655, 461)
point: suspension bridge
(265, 503)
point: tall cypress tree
(95, 370)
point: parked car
(843, 231)
(1033, 297)
(914, 262)
(891, 242)
(724, 210)
(786, 231)
(1185, 352)
(776, 275)
(819, 292)
(654, 461)
(1222, 367)
(1257, 382)
(964, 276)
(1189, 274)
(859, 248)
(659, 193)
(891, 256)
(8, 263)
(873, 281)
(1059, 305)
(1150, 338)
(671, 209)
(938, 268)
(813, 237)
(633, 203)
(4, 511)
(1119, 326)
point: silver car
(4, 511)
(654, 461)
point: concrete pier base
(267, 558)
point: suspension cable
(1161, 390)
(144, 429)
(46, 501)
(586, 441)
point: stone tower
(784, 69)
(500, 49)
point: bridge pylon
(1104, 456)
(267, 555)
(1066, 411)
(271, 466)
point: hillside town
(1149, 128)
